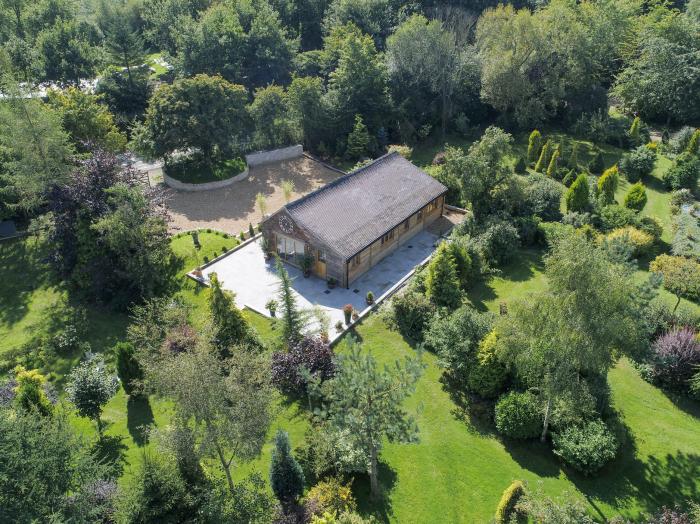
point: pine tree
(597, 165)
(286, 475)
(533, 146)
(553, 162)
(292, 318)
(521, 166)
(573, 158)
(544, 157)
(358, 140)
(694, 143)
(634, 130)
(442, 282)
(230, 326)
(251, 230)
(576, 197)
(607, 185)
(128, 367)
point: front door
(320, 269)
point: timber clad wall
(375, 252)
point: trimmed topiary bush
(534, 145)
(636, 197)
(586, 448)
(597, 165)
(488, 375)
(615, 216)
(518, 415)
(607, 185)
(509, 500)
(576, 197)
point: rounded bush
(586, 448)
(518, 415)
(684, 173)
(313, 354)
(636, 197)
(638, 163)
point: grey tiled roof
(356, 209)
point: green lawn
(458, 470)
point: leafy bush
(543, 197)
(615, 216)
(518, 415)
(661, 318)
(487, 376)
(674, 516)
(680, 198)
(312, 354)
(520, 166)
(684, 173)
(680, 139)
(29, 393)
(459, 249)
(638, 163)
(586, 448)
(509, 499)
(636, 197)
(403, 150)
(411, 312)
(675, 357)
(497, 242)
(651, 226)
(330, 496)
(569, 178)
(640, 241)
(681, 276)
(455, 339)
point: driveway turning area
(255, 281)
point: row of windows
(357, 259)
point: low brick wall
(276, 155)
(206, 186)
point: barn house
(341, 230)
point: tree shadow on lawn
(521, 268)
(683, 402)
(381, 508)
(139, 416)
(25, 271)
(111, 451)
(655, 482)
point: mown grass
(458, 470)
(198, 172)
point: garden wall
(206, 186)
(276, 155)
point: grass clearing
(196, 171)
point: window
(433, 206)
(419, 216)
(290, 249)
(387, 237)
(321, 255)
(356, 260)
(407, 224)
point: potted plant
(347, 311)
(339, 326)
(271, 306)
(331, 283)
(197, 272)
(370, 298)
(306, 262)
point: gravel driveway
(231, 209)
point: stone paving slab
(255, 281)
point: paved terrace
(255, 281)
